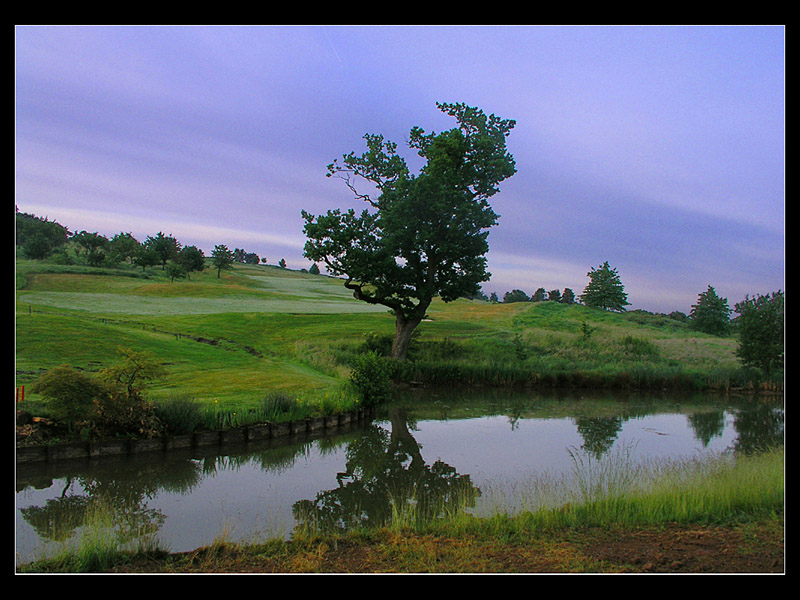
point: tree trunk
(403, 330)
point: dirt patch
(693, 549)
(749, 548)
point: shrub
(371, 377)
(120, 414)
(71, 394)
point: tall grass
(104, 539)
(715, 488)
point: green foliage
(711, 314)
(515, 296)
(71, 394)
(179, 415)
(761, 331)
(119, 414)
(427, 235)
(124, 410)
(132, 372)
(175, 271)
(165, 246)
(371, 377)
(605, 290)
(191, 259)
(637, 346)
(275, 406)
(221, 258)
(39, 237)
(146, 256)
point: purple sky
(657, 149)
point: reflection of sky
(488, 447)
(246, 502)
(658, 149)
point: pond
(482, 451)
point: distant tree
(222, 258)
(761, 331)
(38, 237)
(568, 297)
(678, 316)
(175, 270)
(91, 242)
(263, 260)
(539, 295)
(123, 246)
(425, 235)
(711, 314)
(146, 256)
(192, 259)
(605, 290)
(479, 295)
(282, 264)
(166, 246)
(238, 255)
(554, 296)
(493, 298)
(313, 269)
(97, 258)
(251, 258)
(515, 296)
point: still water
(481, 452)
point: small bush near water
(180, 415)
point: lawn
(257, 329)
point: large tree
(605, 289)
(425, 234)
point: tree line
(759, 324)
(39, 238)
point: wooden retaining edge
(238, 435)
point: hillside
(260, 328)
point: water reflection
(420, 459)
(385, 478)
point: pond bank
(289, 430)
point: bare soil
(755, 548)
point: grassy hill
(260, 328)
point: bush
(371, 378)
(71, 394)
(117, 413)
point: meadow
(258, 329)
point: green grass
(260, 329)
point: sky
(660, 149)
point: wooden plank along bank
(289, 430)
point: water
(435, 452)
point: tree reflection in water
(386, 480)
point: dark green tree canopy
(166, 246)
(761, 331)
(424, 235)
(605, 290)
(711, 314)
